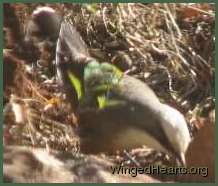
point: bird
(41, 32)
(116, 111)
(44, 24)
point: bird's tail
(71, 58)
(71, 44)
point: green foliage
(76, 83)
(93, 7)
(101, 77)
(103, 102)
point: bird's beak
(181, 160)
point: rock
(34, 165)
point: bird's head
(176, 130)
(44, 24)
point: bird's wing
(144, 108)
(116, 120)
(135, 91)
